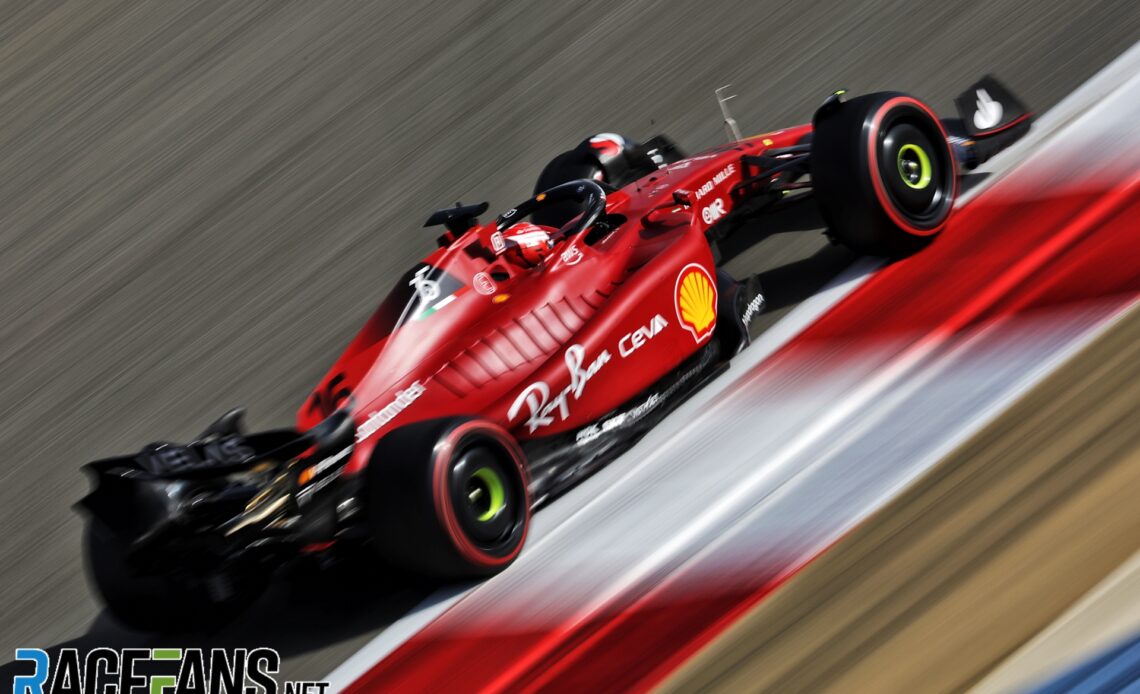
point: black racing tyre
(448, 498)
(158, 602)
(568, 166)
(883, 173)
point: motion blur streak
(1111, 671)
(981, 554)
(1108, 614)
(816, 438)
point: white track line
(560, 513)
(557, 519)
(1105, 616)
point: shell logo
(695, 300)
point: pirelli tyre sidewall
(883, 173)
(448, 498)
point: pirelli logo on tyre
(694, 297)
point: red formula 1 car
(519, 356)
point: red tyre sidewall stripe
(444, 451)
(873, 162)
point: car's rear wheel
(160, 601)
(883, 173)
(448, 498)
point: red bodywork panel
(553, 348)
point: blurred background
(201, 202)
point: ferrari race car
(518, 357)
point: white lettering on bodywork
(537, 398)
(378, 418)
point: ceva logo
(631, 342)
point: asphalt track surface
(810, 440)
(202, 202)
(971, 562)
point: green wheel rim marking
(495, 488)
(925, 172)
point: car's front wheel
(883, 173)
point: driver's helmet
(528, 244)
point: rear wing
(222, 478)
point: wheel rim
(485, 494)
(487, 498)
(920, 177)
(914, 166)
